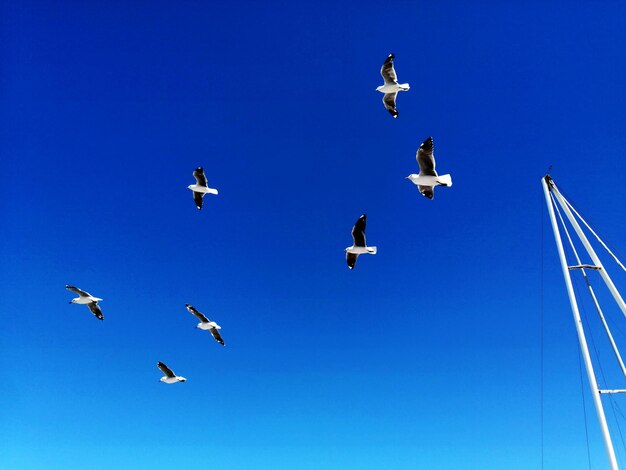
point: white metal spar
(582, 268)
(607, 280)
(548, 185)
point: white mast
(549, 186)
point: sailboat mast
(548, 184)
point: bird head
(181, 379)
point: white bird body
(393, 87)
(428, 180)
(201, 189)
(172, 380)
(359, 245)
(390, 87)
(85, 300)
(361, 250)
(170, 377)
(207, 326)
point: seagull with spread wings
(200, 188)
(85, 298)
(391, 86)
(428, 178)
(170, 377)
(206, 324)
(359, 246)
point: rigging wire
(580, 369)
(591, 334)
(541, 328)
(613, 323)
(582, 394)
(619, 428)
(569, 204)
(593, 296)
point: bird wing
(358, 231)
(426, 158)
(428, 191)
(198, 174)
(197, 314)
(95, 309)
(76, 290)
(389, 100)
(166, 370)
(388, 72)
(351, 259)
(197, 197)
(216, 334)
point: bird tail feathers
(444, 180)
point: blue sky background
(427, 355)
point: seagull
(170, 377)
(200, 188)
(391, 86)
(428, 177)
(205, 324)
(84, 298)
(359, 246)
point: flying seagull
(391, 86)
(170, 377)
(200, 188)
(205, 324)
(428, 177)
(359, 246)
(84, 298)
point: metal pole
(582, 268)
(595, 392)
(592, 253)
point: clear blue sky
(427, 355)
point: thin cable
(619, 429)
(583, 316)
(618, 356)
(582, 394)
(616, 406)
(595, 234)
(541, 328)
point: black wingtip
(427, 145)
(392, 55)
(199, 169)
